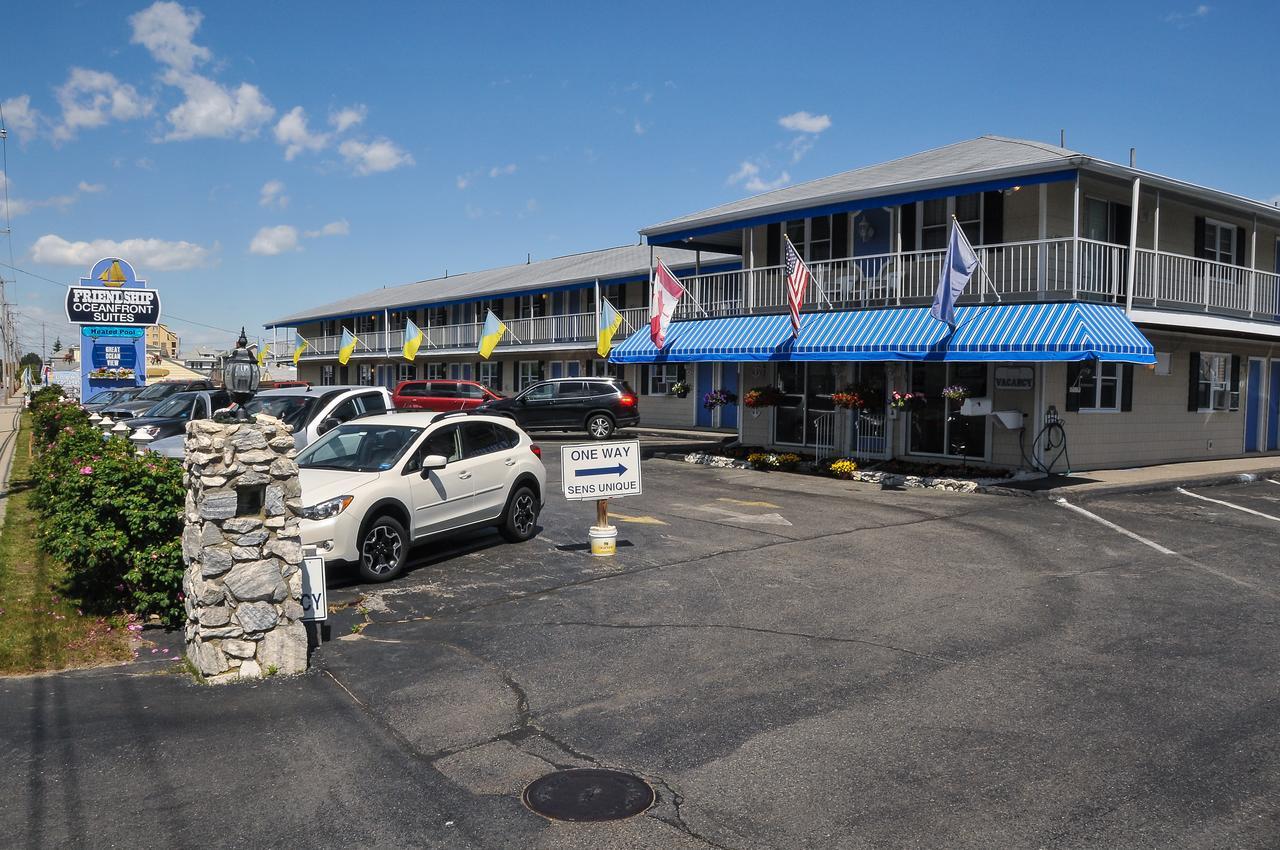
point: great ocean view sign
(113, 309)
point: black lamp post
(240, 374)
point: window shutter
(1193, 385)
(573, 301)
(1235, 382)
(1242, 256)
(1126, 387)
(773, 245)
(644, 380)
(840, 236)
(1198, 248)
(498, 377)
(992, 217)
(682, 374)
(1073, 389)
(1121, 218)
(542, 370)
(908, 226)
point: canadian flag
(666, 295)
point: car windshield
(293, 410)
(178, 406)
(359, 447)
(104, 397)
(155, 392)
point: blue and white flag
(958, 268)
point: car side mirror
(328, 425)
(431, 462)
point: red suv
(441, 395)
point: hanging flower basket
(899, 400)
(759, 397)
(718, 398)
(679, 389)
(955, 392)
(848, 400)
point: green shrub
(115, 519)
(51, 415)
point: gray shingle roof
(609, 263)
(973, 157)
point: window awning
(985, 332)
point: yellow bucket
(604, 540)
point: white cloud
(92, 98)
(803, 122)
(155, 254)
(746, 170)
(20, 206)
(1182, 19)
(333, 228)
(91, 188)
(756, 184)
(291, 131)
(270, 241)
(801, 145)
(166, 30)
(638, 128)
(464, 180)
(212, 111)
(19, 117)
(374, 157)
(347, 117)
(502, 170)
(272, 195)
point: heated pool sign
(601, 470)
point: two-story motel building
(1141, 310)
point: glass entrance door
(937, 428)
(807, 388)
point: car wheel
(520, 521)
(383, 550)
(600, 426)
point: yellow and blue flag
(347, 346)
(610, 321)
(491, 334)
(412, 339)
(262, 355)
(300, 345)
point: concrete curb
(1092, 491)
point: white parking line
(1111, 525)
(1229, 505)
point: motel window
(395, 320)
(530, 373)
(935, 220)
(662, 378)
(1095, 387)
(366, 375)
(489, 373)
(1215, 382)
(406, 372)
(605, 369)
(460, 371)
(531, 306)
(434, 371)
(364, 324)
(1219, 241)
(823, 237)
(326, 376)
(436, 316)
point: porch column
(751, 270)
(1042, 255)
(1253, 266)
(1155, 267)
(1075, 238)
(1133, 244)
(897, 250)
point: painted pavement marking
(1111, 525)
(1229, 505)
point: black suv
(152, 395)
(598, 406)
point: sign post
(113, 309)
(600, 472)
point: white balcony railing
(1043, 270)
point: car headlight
(325, 510)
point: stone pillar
(243, 550)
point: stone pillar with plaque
(243, 550)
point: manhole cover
(588, 794)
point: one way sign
(601, 470)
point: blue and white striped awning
(986, 332)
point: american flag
(797, 282)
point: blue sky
(254, 158)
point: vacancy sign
(315, 603)
(601, 470)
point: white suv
(375, 486)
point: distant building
(162, 341)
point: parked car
(310, 411)
(170, 417)
(378, 486)
(441, 395)
(598, 406)
(150, 396)
(106, 398)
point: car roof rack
(449, 414)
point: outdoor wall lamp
(240, 374)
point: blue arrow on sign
(601, 470)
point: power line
(63, 286)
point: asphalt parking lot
(792, 663)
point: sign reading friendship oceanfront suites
(113, 309)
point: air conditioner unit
(975, 407)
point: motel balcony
(573, 330)
(1039, 270)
